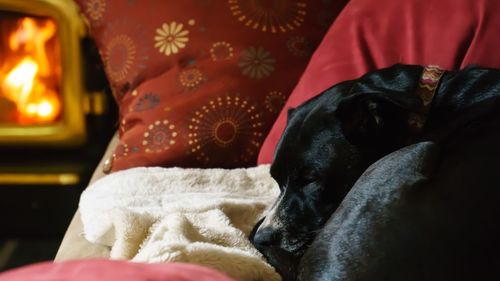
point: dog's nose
(265, 237)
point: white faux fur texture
(201, 216)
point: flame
(32, 81)
(19, 82)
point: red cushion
(369, 35)
(200, 83)
(108, 270)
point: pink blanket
(108, 270)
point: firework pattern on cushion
(274, 101)
(191, 78)
(199, 83)
(123, 54)
(299, 46)
(221, 50)
(270, 15)
(146, 102)
(171, 38)
(256, 63)
(95, 10)
(159, 137)
(223, 123)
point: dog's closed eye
(308, 176)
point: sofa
(174, 90)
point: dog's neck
(427, 88)
(472, 93)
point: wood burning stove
(55, 109)
(41, 92)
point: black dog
(331, 139)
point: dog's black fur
(331, 139)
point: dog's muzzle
(267, 239)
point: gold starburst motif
(256, 63)
(119, 57)
(221, 51)
(94, 10)
(160, 136)
(171, 37)
(123, 54)
(190, 78)
(274, 101)
(269, 15)
(225, 125)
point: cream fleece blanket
(201, 216)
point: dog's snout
(265, 237)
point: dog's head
(328, 142)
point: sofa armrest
(74, 245)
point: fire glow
(30, 73)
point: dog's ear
(368, 118)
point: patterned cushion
(200, 82)
(377, 34)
